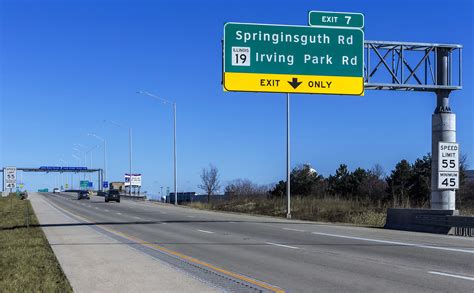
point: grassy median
(27, 262)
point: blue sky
(68, 65)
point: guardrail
(462, 225)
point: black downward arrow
(295, 83)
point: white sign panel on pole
(448, 156)
(448, 180)
(10, 177)
(448, 165)
(136, 180)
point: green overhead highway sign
(293, 59)
(84, 183)
(336, 19)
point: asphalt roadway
(295, 256)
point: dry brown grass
(307, 208)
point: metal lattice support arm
(392, 70)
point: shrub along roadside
(303, 208)
(28, 263)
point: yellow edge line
(180, 255)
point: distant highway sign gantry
(293, 59)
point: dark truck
(112, 194)
(83, 194)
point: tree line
(407, 185)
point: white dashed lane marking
(291, 229)
(452, 275)
(282, 245)
(205, 231)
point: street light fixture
(174, 140)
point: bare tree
(210, 181)
(377, 170)
(245, 187)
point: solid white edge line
(205, 231)
(282, 245)
(396, 243)
(451, 275)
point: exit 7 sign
(336, 19)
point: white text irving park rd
(302, 40)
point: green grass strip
(27, 262)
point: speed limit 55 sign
(448, 165)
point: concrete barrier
(420, 220)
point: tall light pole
(105, 152)
(174, 140)
(88, 151)
(130, 152)
(72, 178)
(56, 178)
(288, 174)
(62, 175)
(83, 153)
(90, 154)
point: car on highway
(83, 194)
(56, 190)
(112, 194)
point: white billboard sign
(136, 179)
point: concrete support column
(443, 123)
(443, 129)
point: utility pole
(443, 130)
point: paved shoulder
(94, 262)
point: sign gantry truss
(410, 66)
